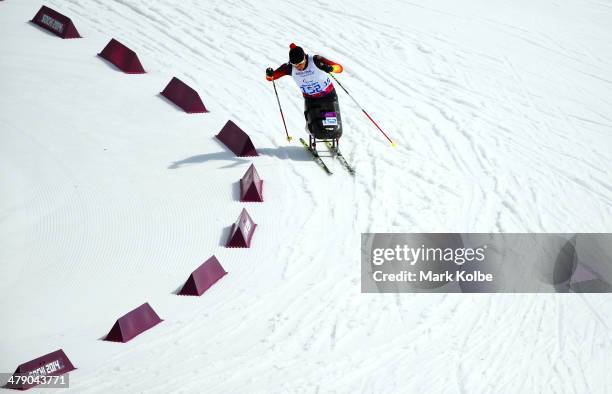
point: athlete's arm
(281, 71)
(327, 65)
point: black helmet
(296, 55)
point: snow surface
(110, 196)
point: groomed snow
(110, 196)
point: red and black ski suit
(320, 63)
(314, 81)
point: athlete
(310, 74)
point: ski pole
(281, 112)
(393, 144)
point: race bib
(330, 119)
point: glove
(269, 73)
(336, 68)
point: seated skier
(310, 74)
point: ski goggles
(299, 63)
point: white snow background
(110, 196)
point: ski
(340, 157)
(316, 157)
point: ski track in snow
(502, 123)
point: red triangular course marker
(53, 364)
(203, 277)
(251, 186)
(236, 140)
(122, 57)
(56, 23)
(585, 280)
(133, 323)
(183, 96)
(242, 232)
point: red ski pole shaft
(365, 112)
(281, 112)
